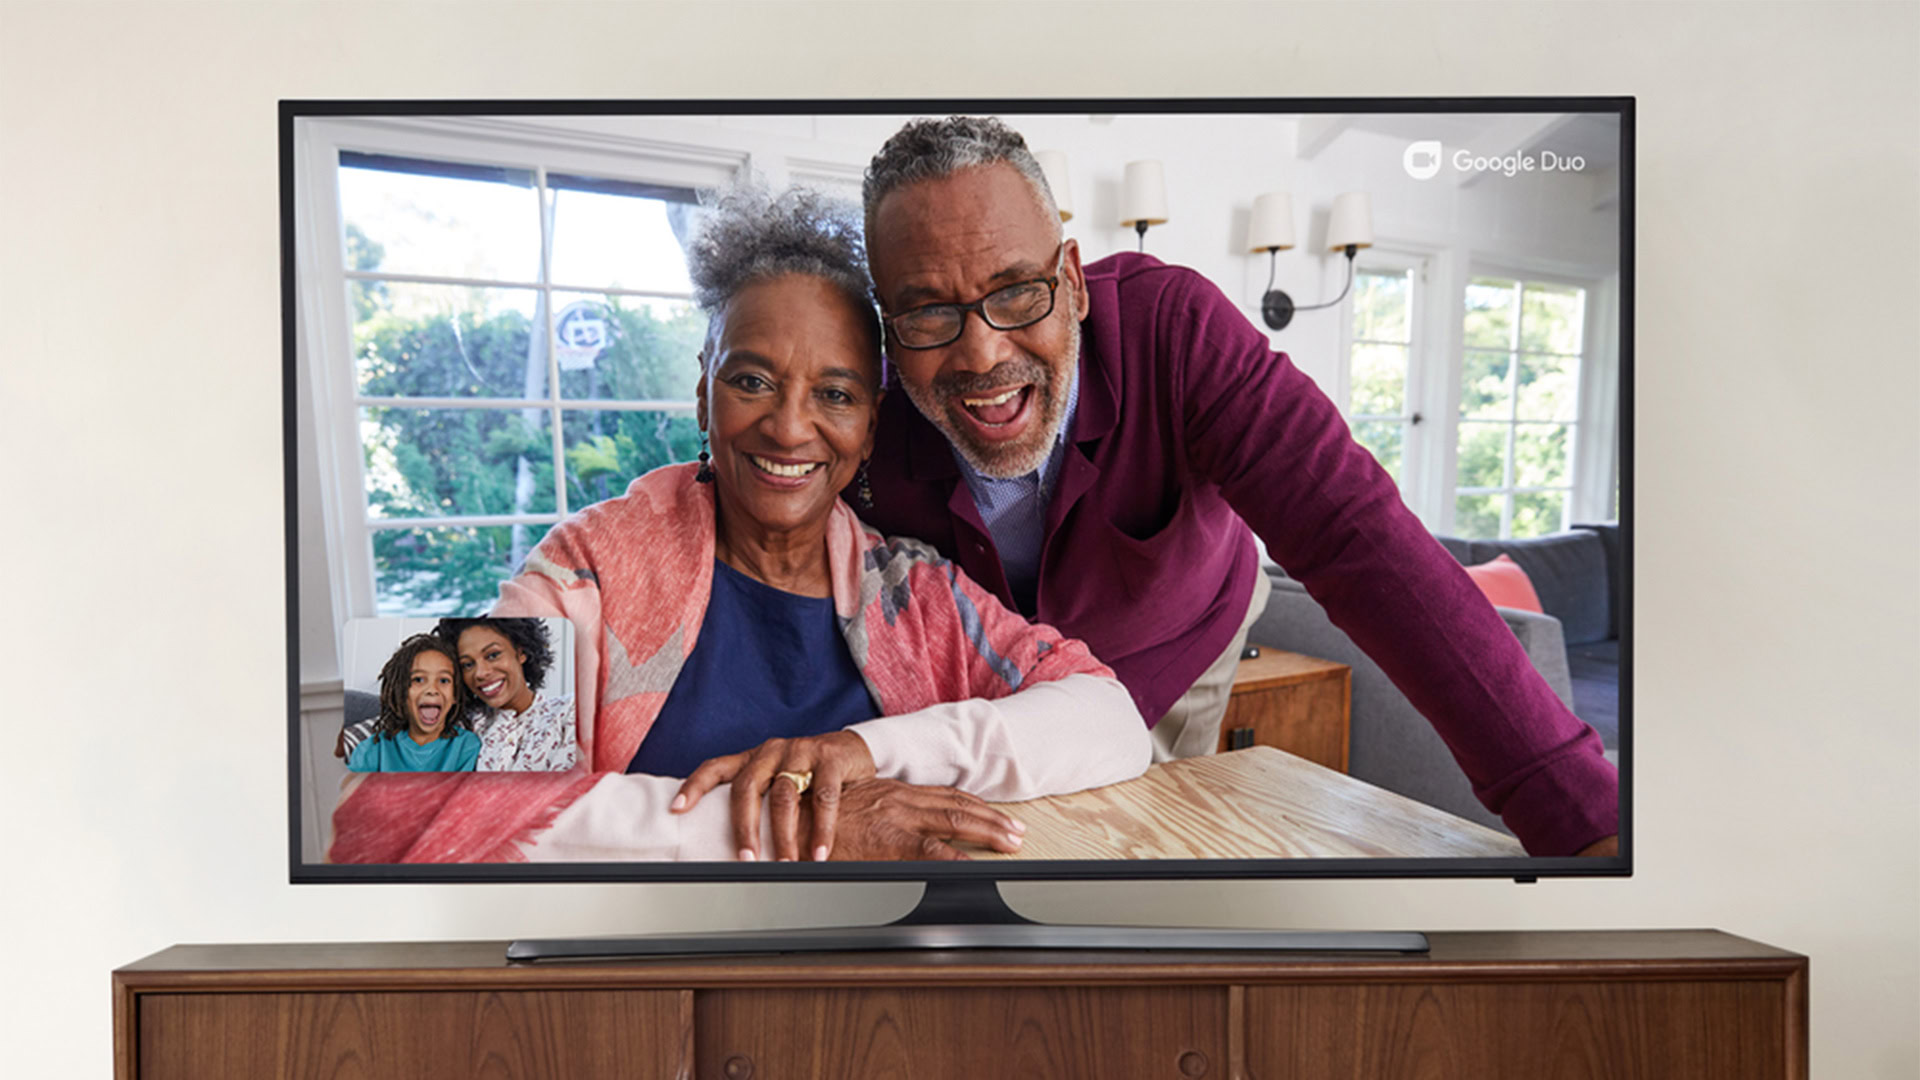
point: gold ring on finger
(801, 780)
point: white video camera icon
(1422, 159)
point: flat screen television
(1320, 408)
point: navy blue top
(768, 664)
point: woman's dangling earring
(705, 475)
(863, 490)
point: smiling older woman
(741, 629)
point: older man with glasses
(1093, 443)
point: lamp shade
(1272, 224)
(1054, 164)
(1352, 222)
(1143, 196)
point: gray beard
(1052, 402)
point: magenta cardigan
(1190, 429)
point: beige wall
(1779, 466)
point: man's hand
(833, 760)
(1605, 847)
(887, 819)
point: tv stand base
(968, 914)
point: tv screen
(914, 490)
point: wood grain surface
(1300, 704)
(1565, 1031)
(1041, 1033)
(1455, 956)
(1278, 667)
(1257, 803)
(502, 1035)
(1572, 1005)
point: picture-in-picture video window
(459, 695)
(1047, 534)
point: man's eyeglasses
(938, 325)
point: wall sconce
(1053, 163)
(1143, 198)
(1271, 231)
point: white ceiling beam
(1606, 187)
(1317, 133)
(1510, 136)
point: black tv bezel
(1525, 870)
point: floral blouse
(540, 739)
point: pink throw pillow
(1506, 584)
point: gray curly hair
(933, 149)
(750, 235)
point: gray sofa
(1577, 575)
(1574, 646)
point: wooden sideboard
(1594, 1004)
(1300, 704)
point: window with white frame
(522, 344)
(1520, 378)
(1380, 358)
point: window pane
(1384, 438)
(1477, 517)
(603, 240)
(1537, 513)
(446, 341)
(456, 462)
(1551, 319)
(1549, 387)
(606, 449)
(1490, 304)
(1483, 455)
(1484, 394)
(1378, 381)
(1380, 305)
(1540, 454)
(447, 571)
(619, 348)
(450, 226)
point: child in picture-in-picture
(422, 722)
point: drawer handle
(1193, 1064)
(739, 1067)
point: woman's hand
(833, 760)
(888, 819)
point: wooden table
(1623, 1005)
(1257, 803)
(1297, 703)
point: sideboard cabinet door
(1721, 1030)
(498, 1034)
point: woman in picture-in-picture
(504, 664)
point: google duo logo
(1422, 159)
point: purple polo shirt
(1190, 429)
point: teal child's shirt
(399, 753)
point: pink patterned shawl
(634, 574)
